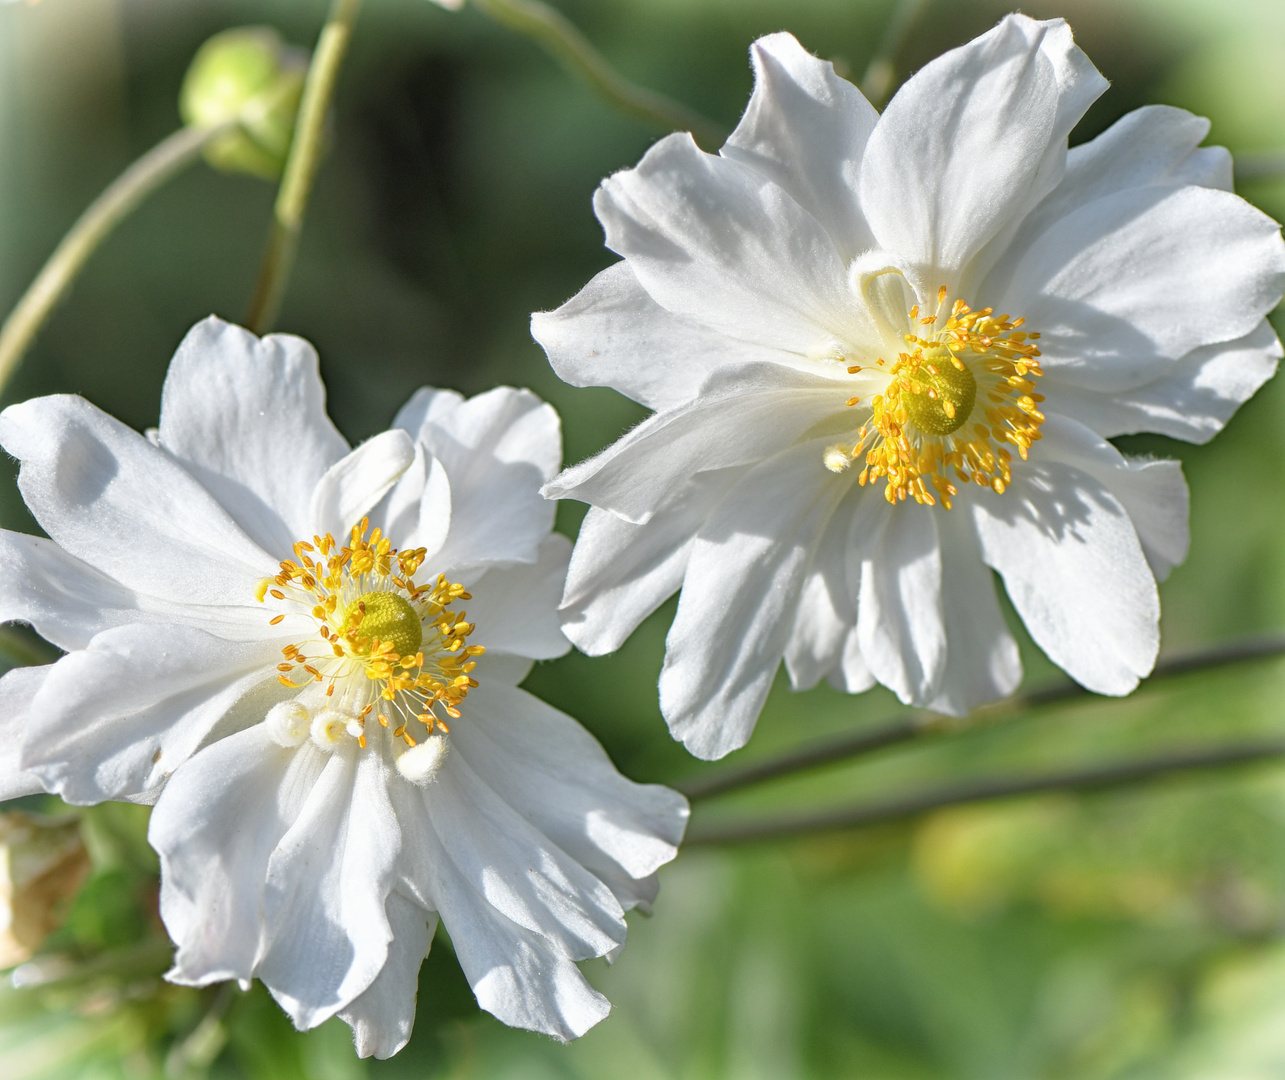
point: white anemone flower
(265, 634)
(886, 353)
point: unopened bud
(42, 864)
(247, 74)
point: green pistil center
(944, 395)
(388, 617)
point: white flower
(287, 675)
(847, 322)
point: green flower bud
(251, 74)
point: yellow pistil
(384, 646)
(959, 399)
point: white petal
(247, 417)
(1191, 398)
(215, 827)
(806, 130)
(116, 718)
(716, 241)
(853, 675)
(512, 426)
(497, 449)
(434, 524)
(416, 512)
(982, 662)
(556, 775)
(108, 496)
(516, 608)
(1121, 288)
(519, 976)
(741, 416)
(1153, 146)
(1075, 572)
(972, 141)
(68, 601)
(739, 595)
(382, 1016)
(513, 867)
(503, 668)
(352, 486)
(1153, 493)
(17, 689)
(900, 623)
(612, 333)
(633, 894)
(427, 405)
(621, 572)
(326, 933)
(827, 609)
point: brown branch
(904, 807)
(916, 724)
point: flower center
(380, 645)
(954, 402)
(942, 392)
(384, 616)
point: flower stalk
(876, 83)
(921, 723)
(165, 160)
(301, 165)
(905, 807)
(559, 37)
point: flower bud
(250, 74)
(42, 864)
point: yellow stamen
(380, 636)
(976, 367)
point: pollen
(383, 648)
(959, 402)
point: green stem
(903, 807)
(906, 728)
(301, 165)
(163, 161)
(877, 81)
(559, 37)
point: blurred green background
(1134, 934)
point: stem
(196, 1051)
(151, 956)
(877, 81)
(901, 808)
(559, 37)
(149, 172)
(301, 165)
(905, 728)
